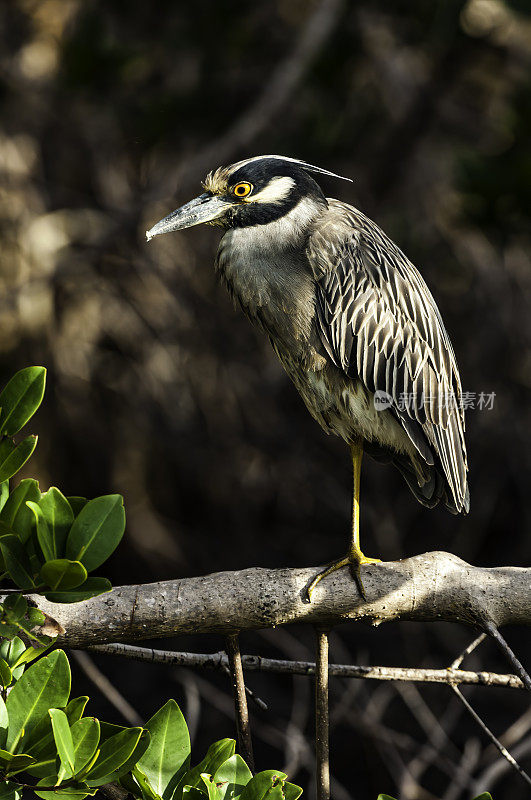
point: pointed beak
(205, 208)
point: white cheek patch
(276, 190)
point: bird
(351, 319)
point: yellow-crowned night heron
(351, 319)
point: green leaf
(76, 791)
(140, 785)
(29, 654)
(16, 560)
(385, 797)
(12, 651)
(5, 758)
(40, 742)
(213, 791)
(44, 685)
(168, 754)
(141, 747)
(191, 793)
(217, 754)
(127, 766)
(44, 532)
(96, 531)
(131, 785)
(75, 708)
(59, 516)
(6, 676)
(85, 736)
(35, 618)
(15, 607)
(45, 754)
(4, 722)
(77, 503)
(63, 575)
(113, 754)
(66, 794)
(4, 493)
(291, 791)
(14, 456)
(484, 796)
(21, 398)
(233, 775)
(109, 729)
(63, 740)
(16, 514)
(11, 763)
(8, 631)
(91, 588)
(263, 785)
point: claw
(356, 574)
(354, 560)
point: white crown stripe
(303, 164)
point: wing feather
(379, 323)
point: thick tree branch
(432, 586)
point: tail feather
(426, 481)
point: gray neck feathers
(265, 269)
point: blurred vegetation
(111, 113)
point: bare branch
(453, 677)
(432, 586)
(493, 631)
(245, 744)
(322, 755)
(456, 663)
(505, 753)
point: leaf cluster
(48, 542)
(47, 744)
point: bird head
(251, 192)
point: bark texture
(431, 586)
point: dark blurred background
(111, 114)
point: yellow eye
(242, 189)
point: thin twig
(505, 753)
(249, 692)
(493, 773)
(493, 631)
(322, 755)
(258, 664)
(456, 663)
(245, 744)
(107, 689)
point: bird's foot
(354, 560)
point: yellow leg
(355, 557)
